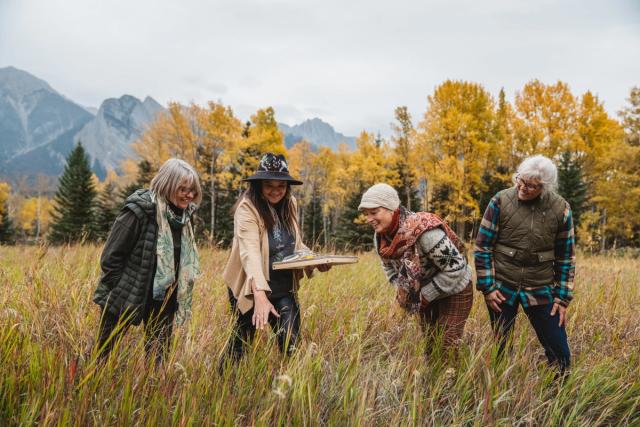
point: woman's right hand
(494, 299)
(261, 310)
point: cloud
(206, 86)
(350, 63)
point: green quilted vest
(524, 252)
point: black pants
(158, 327)
(286, 327)
(552, 337)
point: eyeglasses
(184, 191)
(522, 183)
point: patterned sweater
(444, 265)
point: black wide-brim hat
(275, 167)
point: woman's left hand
(322, 268)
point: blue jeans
(552, 337)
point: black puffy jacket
(128, 259)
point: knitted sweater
(445, 268)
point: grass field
(361, 360)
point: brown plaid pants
(448, 315)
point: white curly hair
(540, 168)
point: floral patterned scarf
(410, 226)
(165, 267)
(400, 252)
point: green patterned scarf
(165, 266)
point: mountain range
(317, 132)
(39, 127)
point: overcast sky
(348, 62)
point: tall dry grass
(361, 361)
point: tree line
(451, 161)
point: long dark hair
(284, 208)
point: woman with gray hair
(150, 261)
(540, 169)
(525, 255)
(425, 261)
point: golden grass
(361, 360)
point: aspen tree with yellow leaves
(547, 116)
(630, 116)
(503, 156)
(34, 215)
(464, 149)
(5, 192)
(262, 136)
(457, 133)
(302, 162)
(219, 133)
(404, 140)
(371, 162)
(7, 230)
(170, 135)
(616, 171)
(504, 152)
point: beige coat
(249, 258)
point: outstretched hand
(262, 308)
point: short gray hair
(173, 174)
(540, 168)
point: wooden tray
(312, 260)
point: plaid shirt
(561, 291)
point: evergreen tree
(226, 196)
(246, 129)
(313, 227)
(494, 181)
(7, 230)
(571, 185)
(145, 175)
(352, 234)
(203, 231)
(409, 195)
(74, 200)
(105, 212)
(379, 140)
(225, 199)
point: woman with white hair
(425, 261)
(150, 261)
(524, 256)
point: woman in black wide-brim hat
(265, 231)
